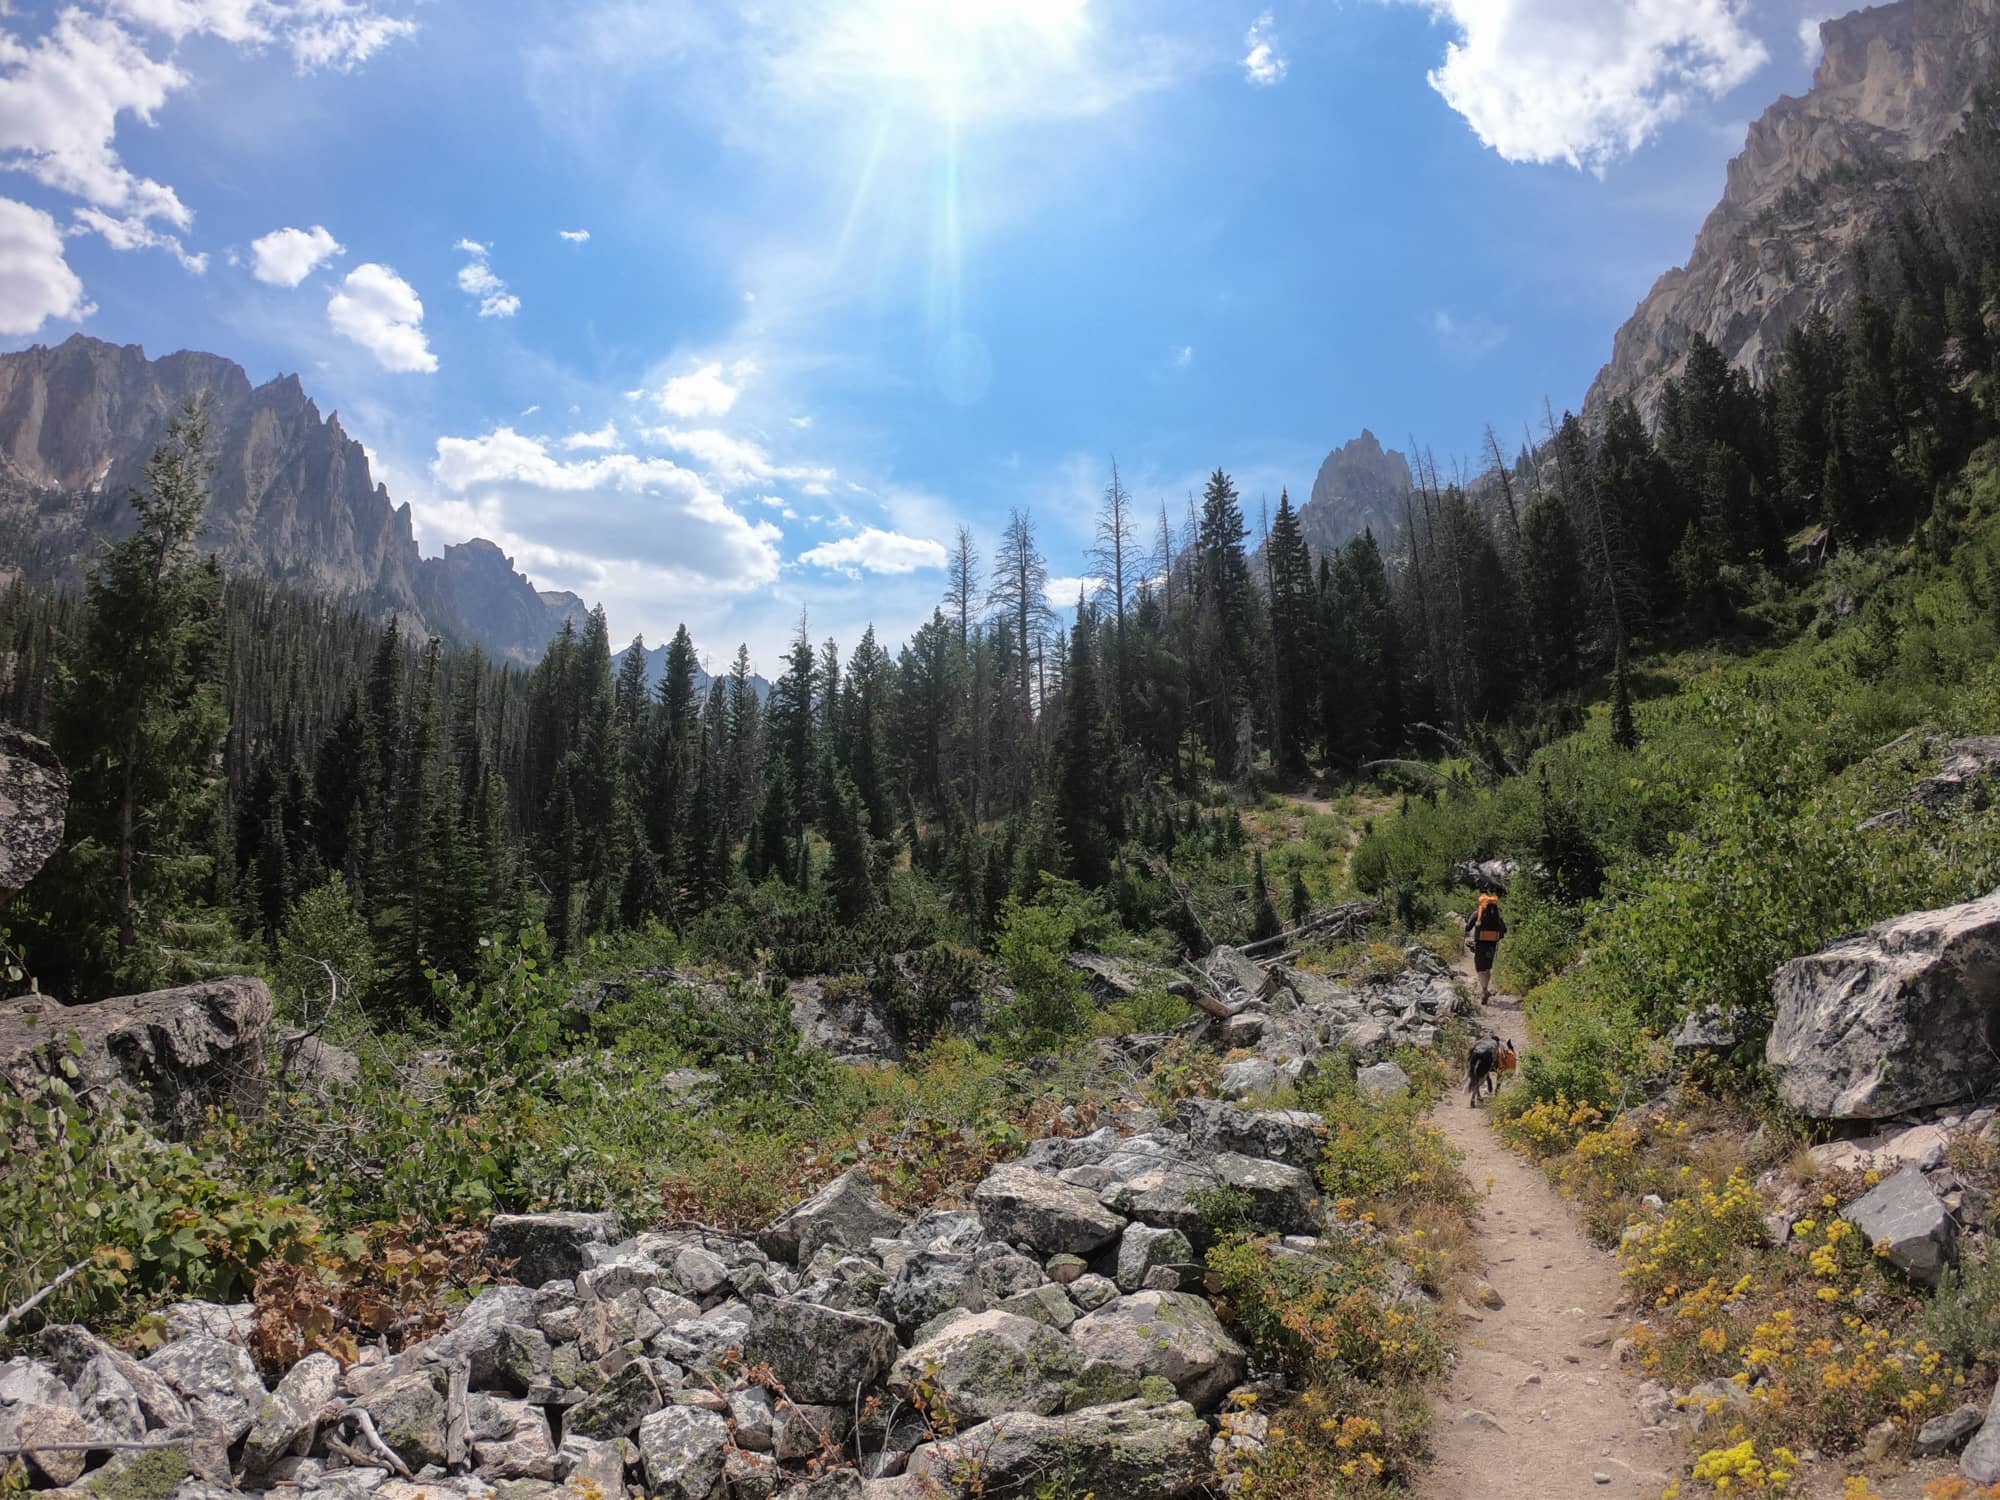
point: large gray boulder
(1296, 1137)
(683, 1449)
(1173, 1335)
(1981, 1460)
(1282, 1198)
(615, 1408)
(409, 1413)
(168, 1056)
(1904, 1220)
(219, 1382)
(1902, 1017)
(819, 1354)
(1050, 1217)
(987, 1363)
(928, 1283)
(846, 1212)
(510, 1439)
(34, 795)
(84, 1359)
(549, 1247)
(1130, 1448)
(289, 1414)
(1143, 1247)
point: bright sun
(965, 56)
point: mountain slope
(292, 499)
(1360, 487)
(1819, 178)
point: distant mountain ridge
(1819, 178)
(292, 498)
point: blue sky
(715, 310)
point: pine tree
(136, 725)
(1226, 636)
(561, 857)
(1624, 728)
(1552, 594)
(1293, 608)
(850, 869)
(1301, 900)
(1082, 786)
(1264, 916)
(772, 849)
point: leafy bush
(1052, 1003)
(143, 1219)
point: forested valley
(1670, 673)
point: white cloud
(774, 502)
(703, 392)
(800, 422)
(137, 234)
(876, 551)
(318, 33)
(609, 510)
(60, 100)
(36, 282)
(1063, 592)
(605, 437)
(736, 463)
(285, 257)
(1183, 356)
(1263, 63)
(1582, 81)
(1467, 338)
(476, 279)
(530, 411)
(382, 312)
(1809, 42)
(575, 236)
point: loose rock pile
(847, 1350)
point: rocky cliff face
(1819, 177)
(1360, 487)
(292, 497)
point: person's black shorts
(1482, 956)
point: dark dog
(1486, 1065)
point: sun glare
(967, 56)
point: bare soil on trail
(1535, 1409)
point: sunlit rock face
(1819, 177)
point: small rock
(683, 1450)
(25, 1426)
(1484, 1421)
(1947, 1434)
(548, 1247)
(1382, 1081)
(1903, 1218)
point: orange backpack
(1488, 918)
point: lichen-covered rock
(34, 795)
(1050, 1217)
(682, 1449)
(1296, 1137)
(1281, 1197)
(232, 1322)
(287, 1417)
(1947, 1433)
(983, 1364)
(1048, 1303)
(1092, 1291)
(841, 1484)
(27, 1425)
(509, 1357)
(1129, 1448)
(1981, 1460)
(1902, 1017)
(84, 1359)
(549, 1247)
(1173, 1335)
(409, 1413)
(217, 1379)
(584, 1461)
(167, 1056)
(819, 1353)
(750, 1476)
(846, 1212)
(1142, 1247)
(1382, 1081)
(24, 1381)
(616, 1407)
(802, 1429)
(928, 1282)
(510, 1439)
(1903, 1220)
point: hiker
(1484, 931)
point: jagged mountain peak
(293, 497)
(1820, 176)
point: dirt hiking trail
(1535, 1409)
